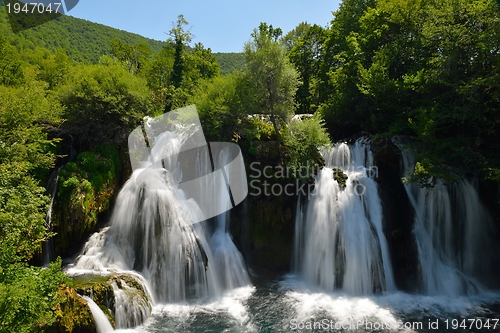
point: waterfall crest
(339, 241)
(453, 233)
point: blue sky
(222, 25)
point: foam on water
(230, 308)
(393, 309)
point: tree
(305, 53)
(10, 64)
(27, 294)
(159, 75)
(52, 67)
(181, 39)
(272, 81)
(302, 140)
(434, 74)
(293, 36)
(103, 103)
(218, 104)
(343, 106)
(135, 56)
(202, 64)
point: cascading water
(453, 233)
(339, 246)
(48, 246)
(101, 321)
(227, 257)
(339, 241)
(151, 232)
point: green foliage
(201, 64)
(176, 72)
(428, 69)
(305, 45)
(24, 112)
(27, 296)
(103, 103)
(22, 213)
(217, 104)
(84, 41)
(136, 57)
(270, 79)
(25, 159)
(230, 62)
(302, 141)
(101, 167)
(27, 111)
(85, 190)
(11, 73)
(92, 170)
(180, 39)
(340, 177)
(52, 67)
(256, 128)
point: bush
(103, 104)
(28, 295)
(302, 140)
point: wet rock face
(99, 289)
(72, 314)
(121, 291)
(86, 191)
(263, 228)
(398, 214)
(78, 214)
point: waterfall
(453, 233)
(102, 323)
(131, 308)
(48, 246)
(152, 233)
(339, 239)
(227, 257)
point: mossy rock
(72, 314)
(100, 288)
(131, 282)
(340, 177)
(77, 213)
(86, 190)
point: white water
(396, 311)
(453, 233)
(131, 309)
(226, 256)
(151, 232)
(339, 241)
(101, 321)
(48, 247)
